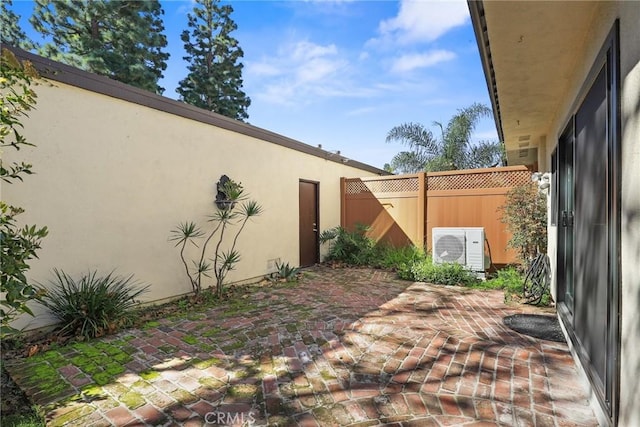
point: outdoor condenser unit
(462, 245)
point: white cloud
(414, 61)
(301, 71)
(305, 50)
(361, 111)
(421, 21)
(263, 69)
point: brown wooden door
(309, 242)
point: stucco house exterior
(117, 168)
(564, 80)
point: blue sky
(343, 73)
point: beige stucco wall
(113, 178)
(629, 15)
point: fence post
(343, 202)
(422, 207)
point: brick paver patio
(341, 347)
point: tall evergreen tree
(10, 31)
(214, 81)
(121, 39)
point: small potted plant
(228, 193)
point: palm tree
(454, 150)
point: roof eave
(476, 9)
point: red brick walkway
(342, 347)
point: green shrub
(393, 258)
(510, 279)
(33, 418)
(350, 247)
(525, 214)
(441, 274)
(18, 244)
(93, 305)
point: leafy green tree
(17, 245)
(120, 39)
(10, 31)
(525, 214)
(214, 81)
(453, 150)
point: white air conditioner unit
(462, 245)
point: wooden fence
(403, 209)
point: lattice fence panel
(402, 185)
(355, 187)
(498, 179)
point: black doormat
(536, 325)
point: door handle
(567, 218)
(315, 227)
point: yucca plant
(232, 209)
(92, 305)
(286, 273)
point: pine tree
(214, 81)
(120, 39)
(10, 31)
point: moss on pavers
(204, 364)
(291, 327)
(323, 415)
(244, 391)
(72, 415)
(190, 339)
(151, 324)
(183, 396)
(167, 349)
(230, 347)
(116, 389)
(212, 383)
(132, 400)
(102, 378)
(327, 376)
(149, 375)
(370, 423)
(207, 348)
(48, 376)
(212, 332)
(278, 421)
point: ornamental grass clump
(92, 305)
